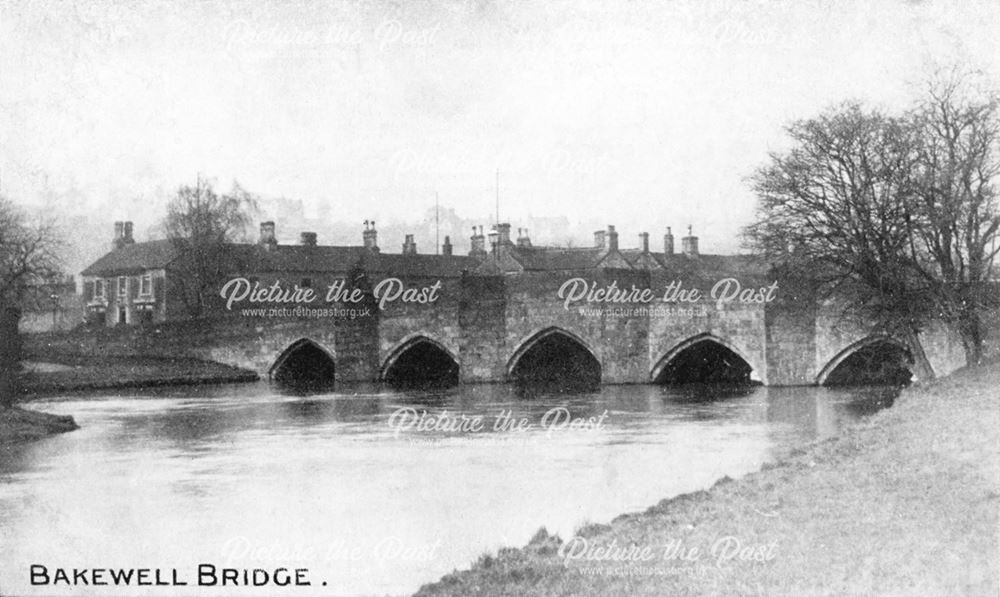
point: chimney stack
(118, 241)
(369, 236)
(308, 239)
(689, 244)
(599, 239)
(446, 249)
(644, 241)
(522, 238)
(127, 233)
(503, 233)
(668, 242)
(409, 247)
(267, 237)
(478, 243)
(612, 239)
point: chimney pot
(446, 248)
(503, 233)
(612, 239)
(523, 240)
(477, 246)
(308, 239)
(267, 235)
(119, 239)
(599, 239)
(644, 241)
(689, 244)
(409, 247)
(668, 242)
(369, 236)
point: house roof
(251, 258)
(447, 266)
(540, 258)
(555, 258)
(134, 258)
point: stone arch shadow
(445, 358)
(661, 364)
(304, 361)
(851, 349)
(539, 336)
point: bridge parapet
(487, 323)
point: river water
(355, 486)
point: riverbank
(61, 374)
(19, 425)
(904, 503)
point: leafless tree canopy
(202, 223)
(953, 200)
(29, 254)
(28, 260)
(897, 212)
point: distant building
(127, 285)
(508, 256)
(141, 283)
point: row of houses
(144, 282)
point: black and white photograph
(447, 298)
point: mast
(437, 224)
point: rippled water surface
(355, 486)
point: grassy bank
(904, 503)
(18, 424)
(94, 373)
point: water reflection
(171, 477)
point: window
(98, 289)
(146, 285)
(122, 286)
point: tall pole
(497, 221)
(437, 224)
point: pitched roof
(134, 258)
(556, 258)
(703, 266)
(445, 266)
(251, 258)
(316, 259)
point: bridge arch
(662, 368)
(853, 349)
(554, 354)
(304, 362)
(419, 359)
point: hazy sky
(640, 114)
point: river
(355, 486)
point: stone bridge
(504, 328)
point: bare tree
(832, 211)
(202, 225)
(28, 259)
(954, 202)
(898, 214)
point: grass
(903, 503)
(19, 425)
(91, 373)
